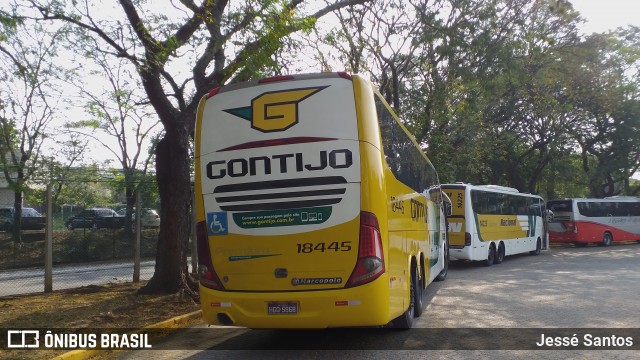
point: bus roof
(607, 199)
(247, 84)
(491, 188)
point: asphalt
(173, 323)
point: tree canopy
(505, 92)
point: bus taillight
(206, 273)
(370, 264)
(213, 92)
(467, 239)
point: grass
(108, 306)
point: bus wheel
(500, 254)
(405, 321)
(607, 239)
(420, 294)
(538, 247)
(491, 255)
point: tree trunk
(130, 201)
(172, 171)
(17, 215)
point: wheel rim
(607, 239)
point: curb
(173, 323)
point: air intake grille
(281, 194)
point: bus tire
(421, 302)
(538, 247)
(445, 271)
(607, 239)
(500, 254)
(406, 320)
(491, 256)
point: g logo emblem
(276, 110)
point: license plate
(282, 308)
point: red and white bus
(601, 221)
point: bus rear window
(563, 205)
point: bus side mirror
(548, 215)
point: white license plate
(282, 308)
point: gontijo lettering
(283, 163)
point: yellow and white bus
(315, 207)
(489, 222)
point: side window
(584, 209)
(635, 209)
(522, 206)
(407, 162)
(29, 212)
(620, 209)
(479, 202)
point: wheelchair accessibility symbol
(217, 223)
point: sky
(604, 15)
(600, 15)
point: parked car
(95, 218)
(148, 217)
(31, 219)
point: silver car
(148, 217)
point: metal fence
(80, 255)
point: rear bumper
(564, 238)
(368, 305)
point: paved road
(29, 281)
(581, 288)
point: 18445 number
(306, 248)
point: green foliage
(8, 25)
(506, 92)
(145, 183)
(84, 186)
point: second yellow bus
(488, 222)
